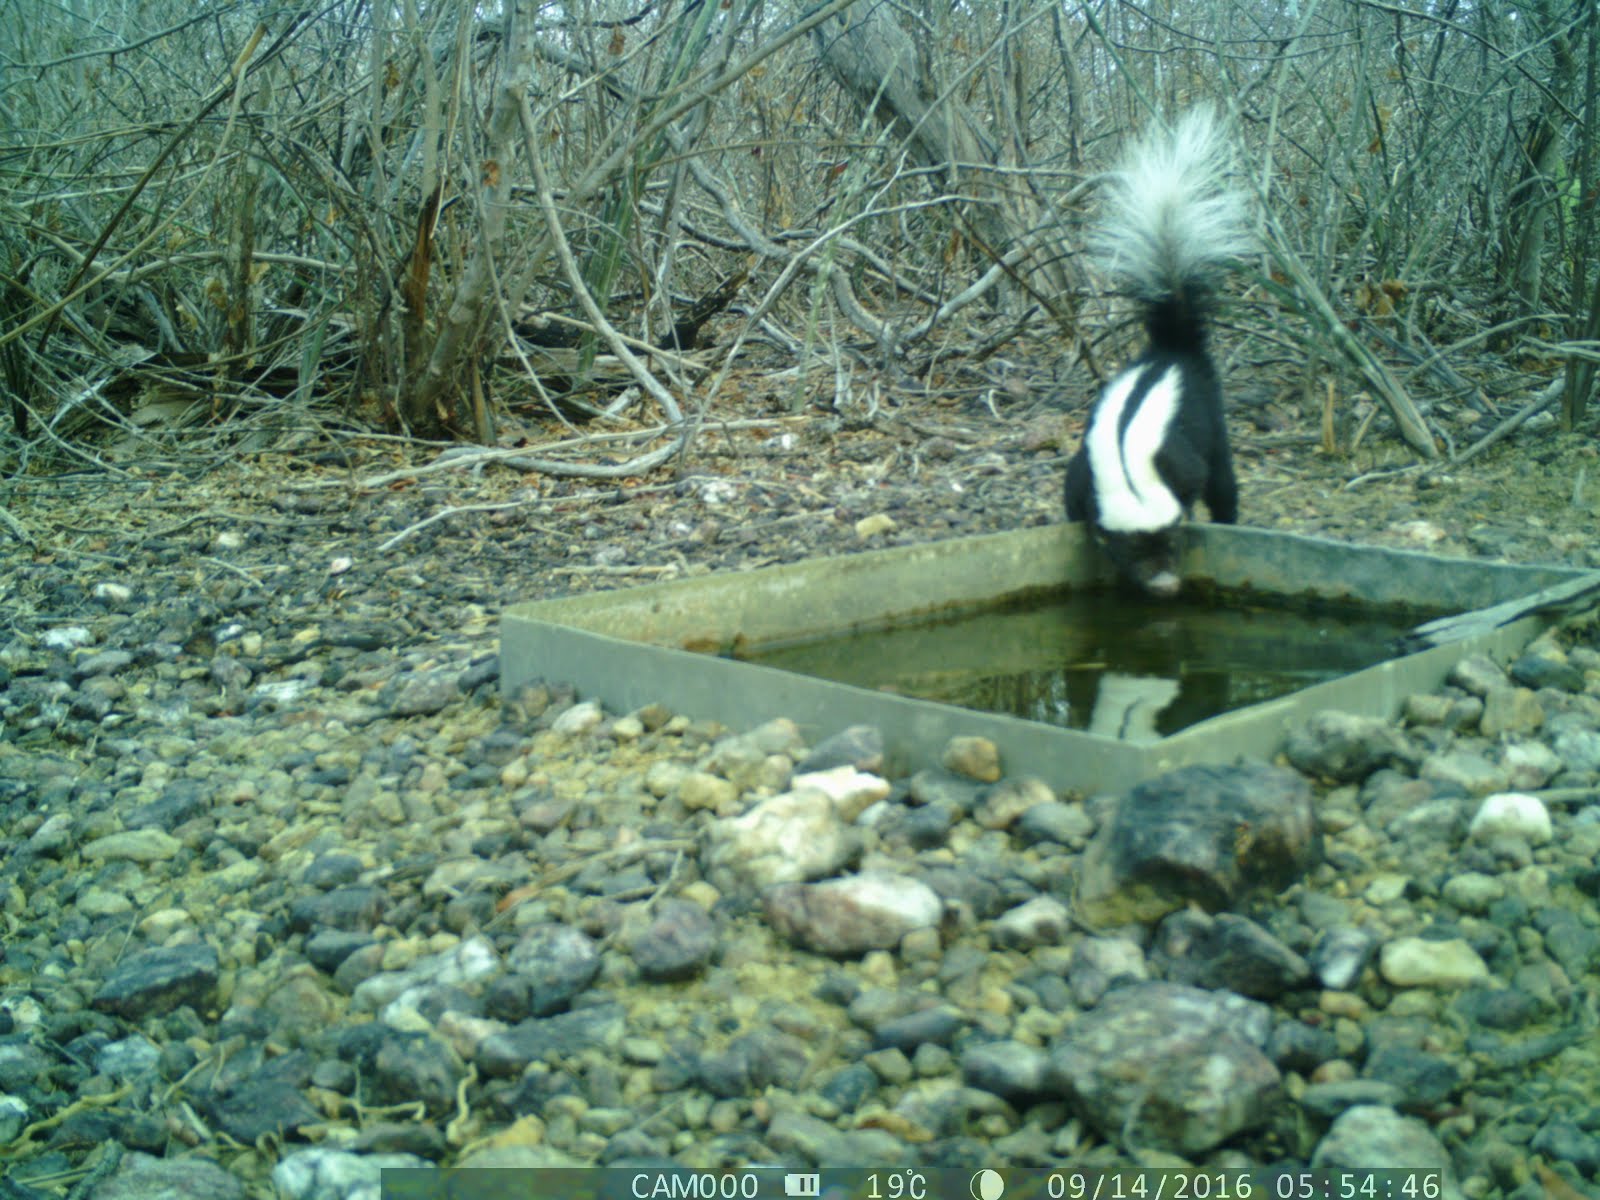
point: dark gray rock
(936, 1025)
(1342, 746)
(1423, 1080)
(328, 871)
(872, 1007)
(481, 671)
(935, 785)
(1539, 667)
(1167, 1066)
(433, 1000)
(182, 801)
(558, 962)
(678, 942)
(328, 948)
(809, 1140)
(424, 1141)
(358, 966)
(858, 746)
(922, 827)
(1564, 1141)
(352, 909)
(412, 1067)
(544, 1038)
(849, 1087)
(177, 1060)
(157, 981)
(21, 1064)
(1568, 940)
(335, 1075)
(1202, 834)
(1009, 1069)
(145, 1177)
(269, 1103)
(1226, 951)
(1296, 1046)
(983, 884)
(1497, 1008)
(1393, 800)
(635, 1148)
(752, 1062)
(1326, 1101)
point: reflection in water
(1113, 664)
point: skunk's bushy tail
(1169, 222)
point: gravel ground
(291, 892)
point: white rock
(784, 839)
(1417, 962)
(1531, 764)
(851, 791)
(472, 961)
(1044, 920)
(320, 1174)
(469, 963)
(282, 692)
(67, 637)
(1512, 815)
(869, 911)
(580, 718)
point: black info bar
(908, 1183)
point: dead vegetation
(569, 232)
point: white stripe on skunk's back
(1129, 491)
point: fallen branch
(634, 466)
(1566, 597)
(1511, 424)
(1304, 291)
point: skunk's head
(1148, 559)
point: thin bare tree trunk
(427, 409)
(1533, 197)
(878, 63)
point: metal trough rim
(626, 648)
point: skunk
(1156, 441)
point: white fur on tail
(1168, 218)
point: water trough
(662, 642)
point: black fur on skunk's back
(1156, 442)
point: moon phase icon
(987, 1185)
